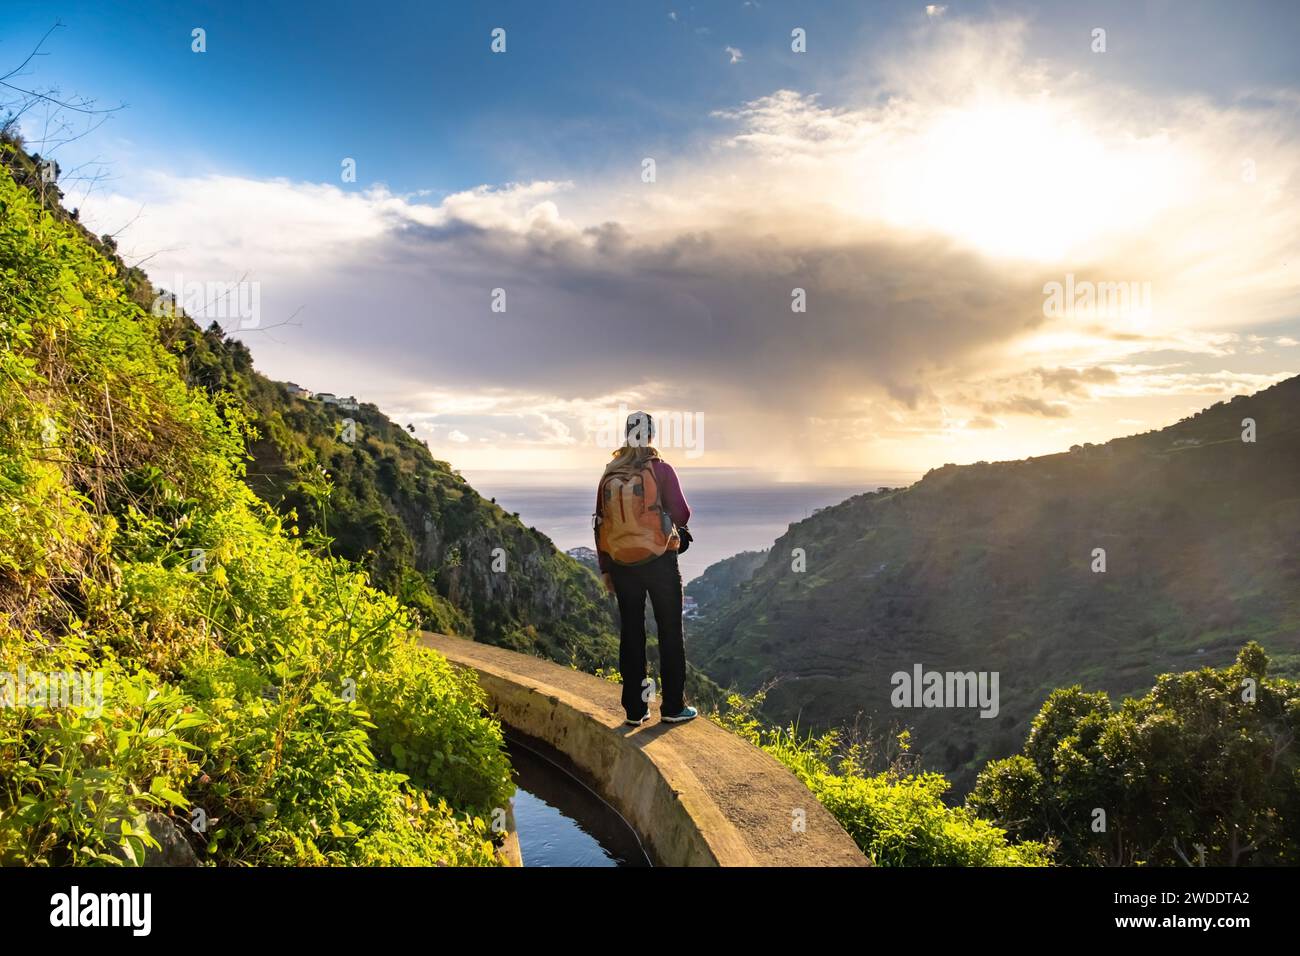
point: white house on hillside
(297, 391)
(346, 402)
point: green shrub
(430, 725)
(76, 784)
(1203, 763)
(897, 817)
(243, 668)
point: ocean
(731, 511)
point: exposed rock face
(586, 557)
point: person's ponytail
(631, 458)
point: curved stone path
(697, 794)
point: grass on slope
(262, 692)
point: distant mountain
(989, 567)
(722, 577)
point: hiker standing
(640, 526)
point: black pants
(662, 580)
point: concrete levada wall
(696, 794)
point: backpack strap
(659, 491)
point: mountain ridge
(461, 561)
(418, 528)
(989, 567)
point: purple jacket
(670, 496)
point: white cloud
(922, 223)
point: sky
(935, 233)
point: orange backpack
(632, 526)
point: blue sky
(922, 174)
(412, 92)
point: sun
(1025, 179)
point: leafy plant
(896, 816)
(1202, 770)
(253, 682)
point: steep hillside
(183, 678)
(989, 567)
(721, 578)
(586, 557)
(423, 532)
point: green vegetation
(897, 816)
(246, 673)
(988, 567)
(1201, 770)
(421, 531)
(257, 684)
(1204, 763)
(722, 578)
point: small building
(297, 391)
(327, 398)
(348, 404)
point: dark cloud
(1072, 381)
(705, 312)
(1026, 405)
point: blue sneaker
(688, 713)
